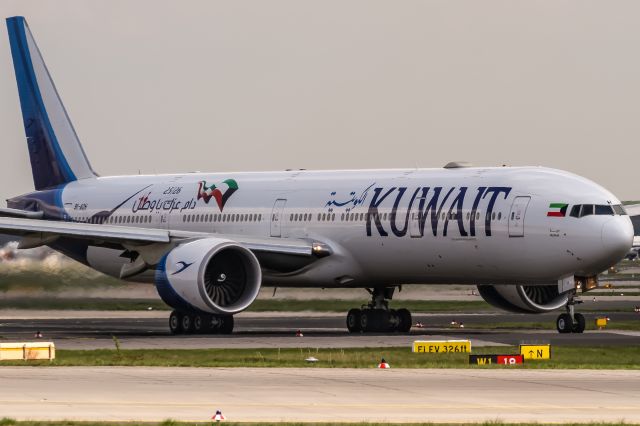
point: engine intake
(210, 275)
(523, 298)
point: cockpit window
(581, 210)
(575, 211)
(587, 209)
(603, 210)
(619, 210)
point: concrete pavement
(319, 394)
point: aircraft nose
(617, 237)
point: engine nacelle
(210, 275)
(523, 298)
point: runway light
(299, 333)
(383, 364)
(311, 359)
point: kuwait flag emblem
(220, 193)
(557, 209)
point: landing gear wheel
(579, 325)
(175, 322)
(564, 323)
(225, 325)
(353, 320)
(404, 316)
(376, 320)
(199, 324)
(376, 315)
(366, 320)
(187, 324)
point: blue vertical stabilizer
(54, 148)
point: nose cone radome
(617, 238)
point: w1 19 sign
(496, 359)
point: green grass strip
(562, 357)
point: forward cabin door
(277, 216)
(516, 216)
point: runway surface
(149, 330)
(318, 394)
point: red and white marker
(383, 364)
(218, 416)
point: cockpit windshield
(581, 210)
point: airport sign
(441, 346)
(496, 359)
(536, 351)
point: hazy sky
(159, 86)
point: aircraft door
(415, 216)
(164, 220)
(276, 217)
(414, 224)
(516, 216)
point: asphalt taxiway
(149, 330)
(320, 394)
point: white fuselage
(464, 225)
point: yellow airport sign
(441, 346)
(27, 351)
(535, 351)
(601, 322)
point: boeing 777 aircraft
(529, 237)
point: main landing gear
(376, 316)
(190, 323)
(571, 321)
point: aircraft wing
(37, 232)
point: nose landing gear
(571, 321)
(376, 316)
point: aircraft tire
(199, 324)
(580, 324)
(353, 320)
(564, 324)
(187, 324)
(383, 320)
(405, 322)
(367, 320)
(175, 322)
(375, 320)
(226, 325)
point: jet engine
(210, 275)
(524, 298)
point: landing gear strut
(376, 316)
(571, 321)
(190, 323)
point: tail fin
(54, 148)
